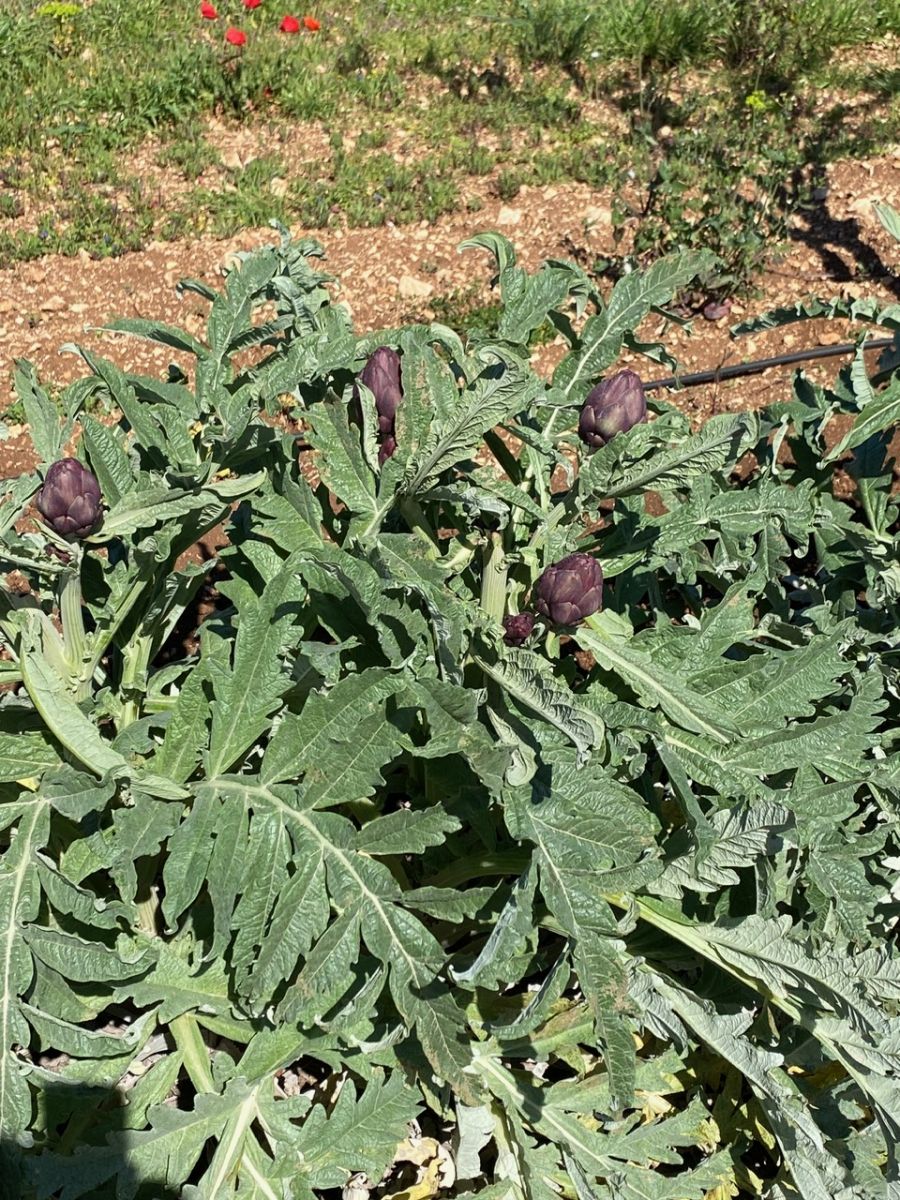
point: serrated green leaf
(108, 460)
(84, 961)
(179, 982)
(674, 696)
(881, 413)
(407, 832)
(45, 427)
(59, 711)
(631, 300)
(299, 916)
(158, 331)
(501, 389)
(359, 1135)
(326, 971)
(526, 679)
(343, 465)
(246, 697)
(190, 851)
(19, 904)
(318, 739)
(68, 1038)
(25, 756)
(512, 931)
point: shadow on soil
(825, 234)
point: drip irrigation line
(763, 364)
(756, 367)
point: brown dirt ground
(393, 274)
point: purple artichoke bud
(381, 375)
(518, 628)
(612, 407)
(570, 590)
(69, 501)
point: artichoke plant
(612, 407)
(70, 500)
(570, 590)
(381, 375)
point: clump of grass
(189, 153)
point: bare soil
(394, 274)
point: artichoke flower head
(569, 590)
(70, 500)
(612, 407)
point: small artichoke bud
(386, 449)
(612, 407)
(381, 375)
(570, 590)
(518, 628)
(70, 500)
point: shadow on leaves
(85, 1151)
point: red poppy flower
(290, 25)
(208, 10)
(236, 37)
(252, 3)
(311, 24)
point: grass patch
(189, 153)
(539, 91)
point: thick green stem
(52, 646)
(147, 910)
(136, 658)
(547, 431)
(148, 905)
(184, 1029)
(493, 578)
(417, 521)
(193, 1049)
(102, 638)
(554, 517)
(501, 862)
(72, 616)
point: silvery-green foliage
(332, 885)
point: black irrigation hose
(763, 364)
(751, 368)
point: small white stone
(411, 288)
(509, 216)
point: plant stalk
(417, 521)
(184, 1028)
(148, 908)
(493, 578)
(101, 640)
(72, 616)
(193, 1049)
(136, 659)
